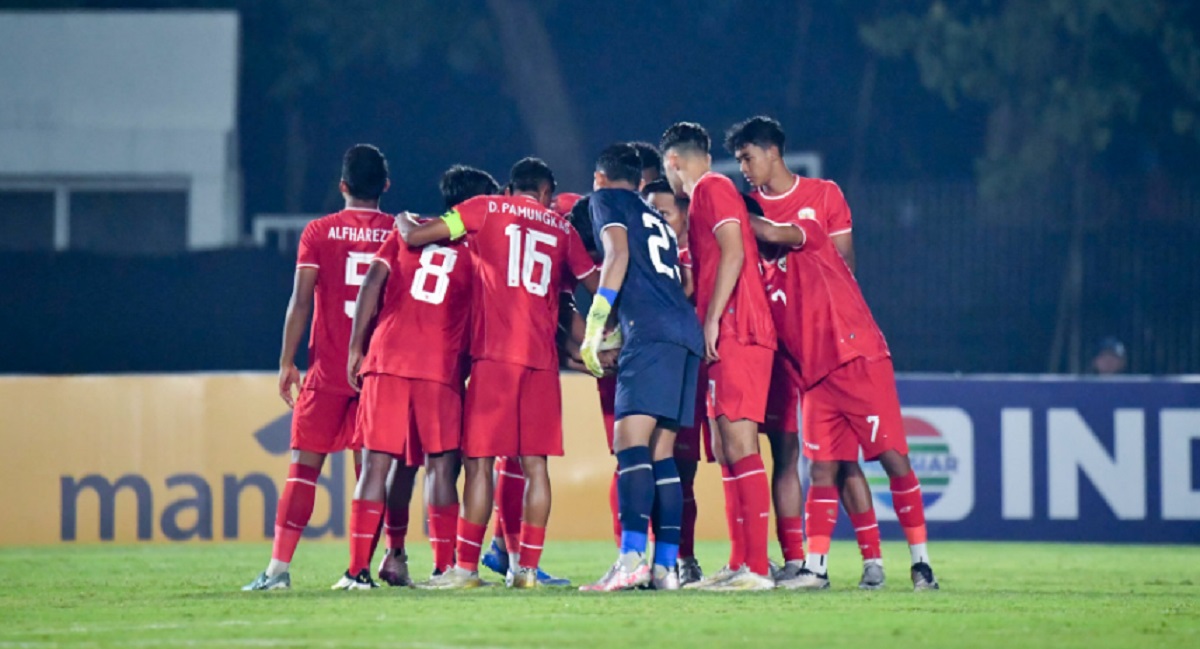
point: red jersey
(823, 320)
(340, 246)
(747, 317)
(421, 331)
(524, 256)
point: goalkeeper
(656, 370)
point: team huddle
(708, 317)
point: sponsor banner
(1052, 459)
(203, 458)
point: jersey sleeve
(389, 251)
(726, 204)
(603, 213)
(467, 217)
(838, 220)
(308, 254)
(579, 262)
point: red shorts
(856, 405)
(739, 382)
(512, 411)
(783, 398)
(689, 440)
(323, 422)
(607, 387)
(409, 417)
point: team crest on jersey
(807, 213)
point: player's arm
(612, 276)
(806, 234)
(295, 321)
(686, 278)
(365, 307)
(449, 227)
(729, 268)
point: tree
(1059, 78)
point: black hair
(529, 174)
(761, 131)
(657, 186)
(461, 182)
(581, 218)
(685, 137)
(649, 156)
(620, 162)
(365, 172)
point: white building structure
(118, 131)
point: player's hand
(593, 334)
(712, 331)
(406, 221)
(608, 360)
(353, 365)
(289, 380)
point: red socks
(395, 524)
(790, 531)
(733, 518)
(821, 512)
(532, 540)
(443, 523)
(470, 543)
(866, 530)
(614, 504)
(364, 525)
(754, 496)
(687, 532)
(294, 509)
(910, 509)
(510, 497)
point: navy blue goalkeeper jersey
(651, 305)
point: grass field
(1016, 595)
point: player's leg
(828, 440)
(739, 383)
(635, 495)
(871, 387)
(786, 495)
(856, 499)
(667, 515)
(688, 444)
(607, 389)
(441, 470)
(366, 515)
(317, 424)
(393, 570)
(496, 558)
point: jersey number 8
(436, 262)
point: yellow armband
(454, 221)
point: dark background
(1023, 178)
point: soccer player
(656, 372)
(334, 253)
(849, 397)
(524, 255)
(673, 208)
(411, 395)
(739, 346)
(758, 144)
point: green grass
(1013, 595)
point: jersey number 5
(526, 262)
(356, 272)
(660, 243)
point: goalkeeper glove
(593, 336)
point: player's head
(581, 218)
(532, 176)
(364, 173)
(461, 182)
(757, 143)
(681, 145)
(618, 166)
(651, 161)
(672, 206)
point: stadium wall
(201, 457)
